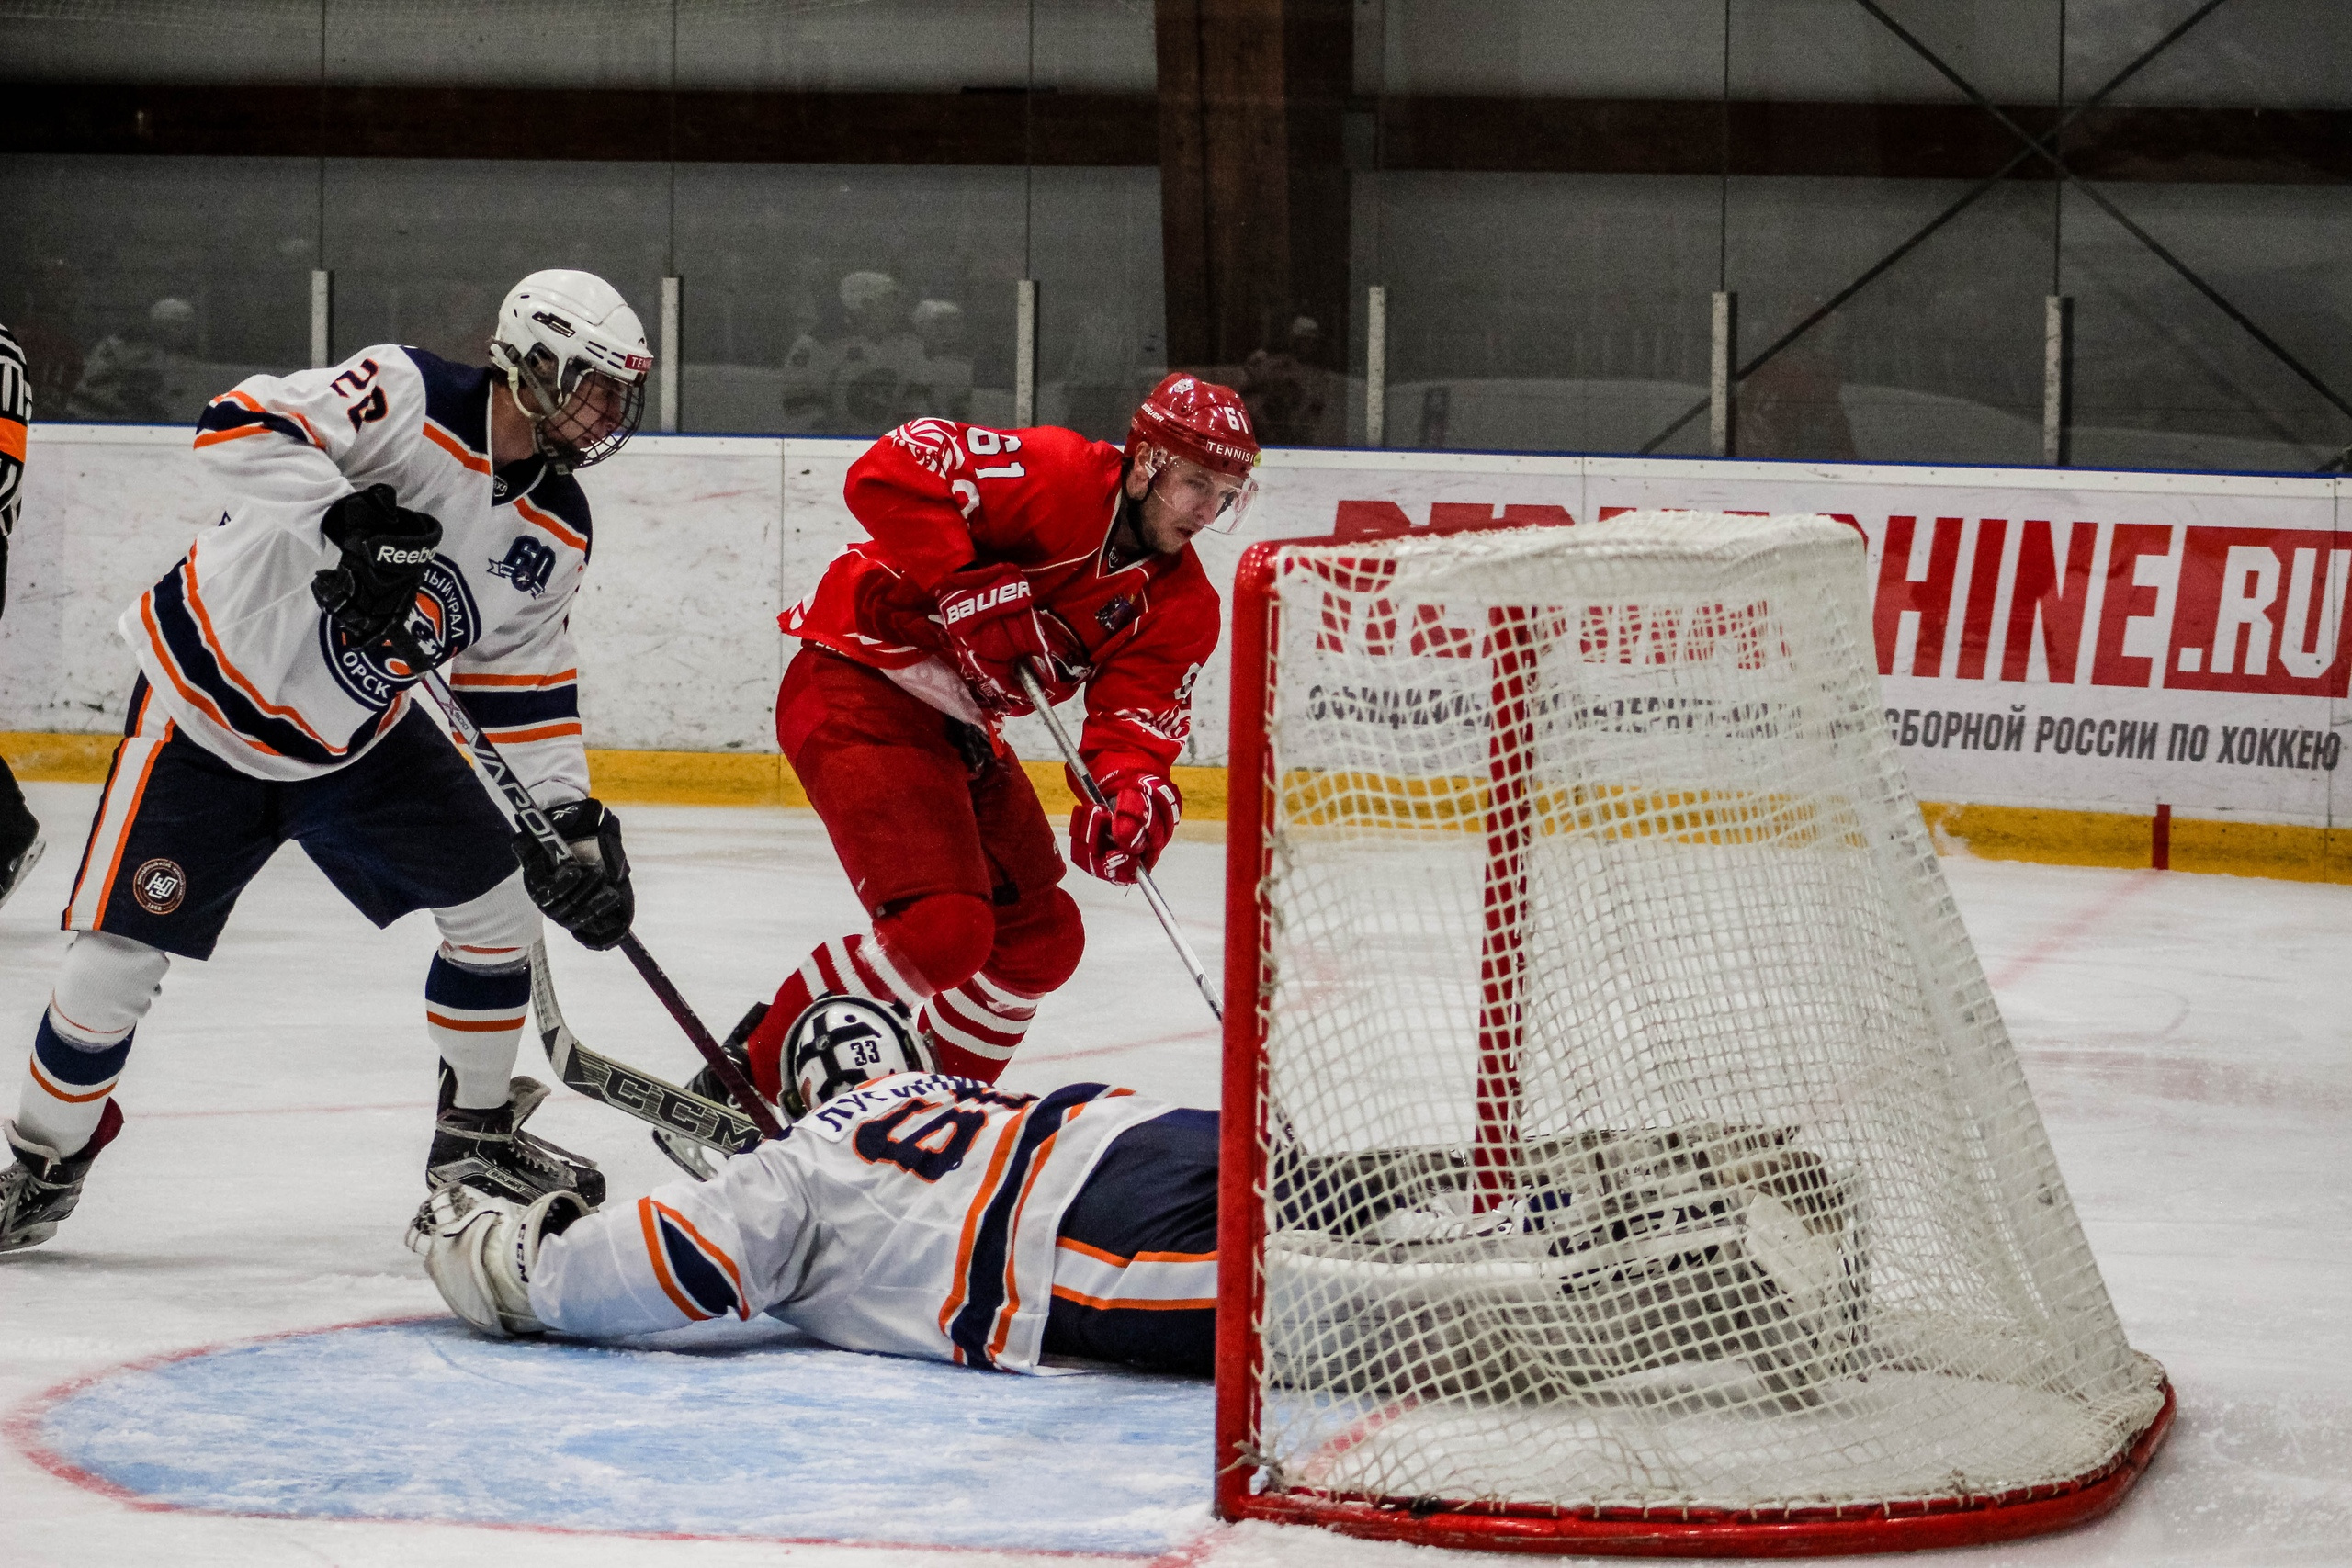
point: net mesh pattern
(1639, 1130)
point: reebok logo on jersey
(965, 607)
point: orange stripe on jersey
(1011, 1305)
(196, 698)
(558, 678)
(1175, 1257)
(236, 677)
(1115, 1303)
(547, 519)
(1113, 1258)
(214, 437)
(456, 448)
(473, 1025)
(12, 437)
(58, 1091)
(712, 1249)
(1003, 1152)
(537, 732)
(659, 1256)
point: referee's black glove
(588, 892)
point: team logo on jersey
(159, 885)
(443, 621)
(527, 566)
(1117, 614)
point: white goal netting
(1638, 1129)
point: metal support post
(1722, 356)
(672, 348)
(1024, 354)
(322, 318)
(1375, 365)
(2057, 379)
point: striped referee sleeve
(16, 412)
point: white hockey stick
(1143, 877)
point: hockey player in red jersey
(990, 551)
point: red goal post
(1670, 1184)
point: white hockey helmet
(576, 357)
(838, 1043)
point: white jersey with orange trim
(918, 1215)
(247, 663)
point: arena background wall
(2086, 667)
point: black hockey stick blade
(721, 1129)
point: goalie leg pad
(480, 1250)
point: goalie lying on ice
(920, 1215)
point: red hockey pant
(960, 873)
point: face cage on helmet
(1152, 459)
(564, 416)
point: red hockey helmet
(1201, 423)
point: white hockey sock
(104, 989)
(478, 991)
(978, 1025)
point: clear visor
(1220, 501)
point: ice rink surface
(2189, 1039)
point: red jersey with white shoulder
(248, 665)
(918, 1215)
(937, 496)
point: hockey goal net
(1623, 1148)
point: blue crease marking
(752, 1434)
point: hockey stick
(548, 843)
(722, 1129)
(1143, 877)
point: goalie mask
(838, 1043)
(576, 362)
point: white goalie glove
(478, 1251)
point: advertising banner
(2078, 640)
(2050, 637)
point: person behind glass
(385, 515)
(135, 377)
(20, 839)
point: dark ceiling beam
(1951, 141)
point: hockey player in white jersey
(394, 513)
(906, 1211)
(909, 1212)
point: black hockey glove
(588, 893)
(385, 548)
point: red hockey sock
(851, 967)
(977, 1025)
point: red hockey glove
(1116, 844)
(993, 626)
